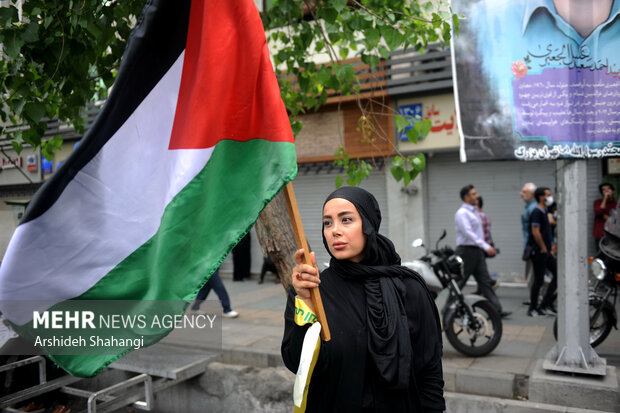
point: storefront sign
(12, 162)
(31, 163)
(441, 112)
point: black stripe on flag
(154, 45)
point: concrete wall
(230, 388)
(227, 388)
(321, 134)
(405, 214)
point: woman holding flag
(385, 349)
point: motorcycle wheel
(601, 328)
(475, 339)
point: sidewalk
(254, 338)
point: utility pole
(573, 353)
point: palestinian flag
(192, 143)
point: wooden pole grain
(300, 237)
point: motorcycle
(602, 291)
(472, 324)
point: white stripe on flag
(112, 207)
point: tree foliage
(299, 31)
(58, 56)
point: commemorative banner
(537, 79)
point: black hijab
(389, 342)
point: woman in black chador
(385, 350)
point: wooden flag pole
(300, 237)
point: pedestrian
(385, 348)
(472, 248)
(486, 222)
(602, 208)
(552, 212)
(268, 266)
(527, 195)
(540, 238)
(215, 283)
(242, 259)
(552, 216)
(486, 230)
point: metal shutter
(312, 185)
(499, 183)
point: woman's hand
(305, 277)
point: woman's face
(342, 227)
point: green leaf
(384, 52)
(407, 178)
(31, 34)
(339, 4)
(423, 127)
(17, 146)
(393, 38)
(339, 181)
(420, 162)
(8, 15)
(398, 161)
(412, 135)
(349, 72)
(56, 141)
(416, 164)
(32, 137)
(18, 106)
(372, 38)
(455, 23)
(296, 127)
(329, 14)
(34, 111)
(94, 30)
(397, 172)
(306, 37)
(401, 123)
(304, 82)
(356, 22)
(446, 31)
(444, 15)
(374, 61)
(13, 44)
(47, 21)
(324, 74)
(333, 82)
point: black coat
(344, 379)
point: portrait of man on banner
(538, 79)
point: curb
(485, 383)
(467, 403)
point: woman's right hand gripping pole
(305, 277)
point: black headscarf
(389, 342)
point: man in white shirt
(471, 246)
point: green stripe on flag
(198, 230)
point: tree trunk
(276, 237)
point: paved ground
(256, 335)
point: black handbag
(528, 251)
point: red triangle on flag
(228, 87)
